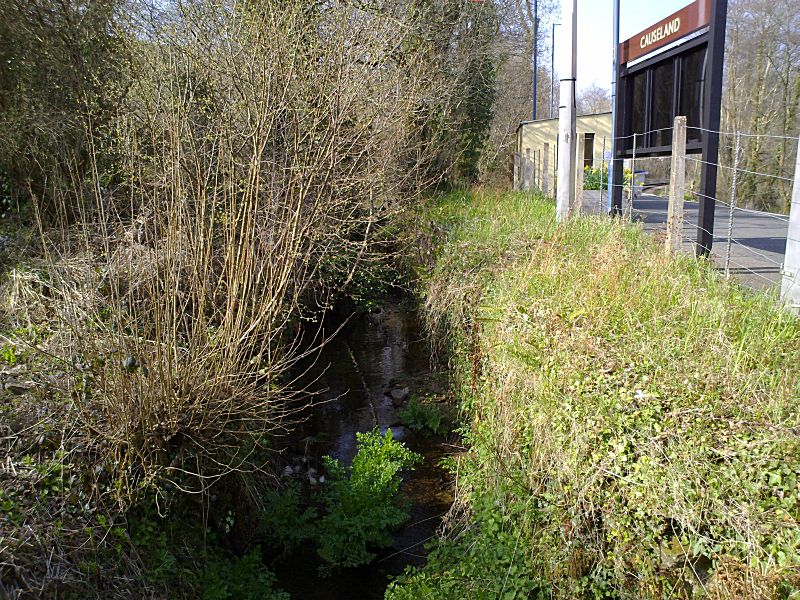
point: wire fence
(746, 243)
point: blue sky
(594, 32)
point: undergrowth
(632, 418)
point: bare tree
(593, 100)
(762, 97)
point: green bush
(422, 417)
(361, 501)
(283, 524)
(229, 578)
(594, 178)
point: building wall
(532, 135)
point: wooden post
(577, 206)
(677, 186)
(790, 287)
(546, 170)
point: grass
(633, 418)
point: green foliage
(9, 355)
(360, 501)
(230, 578)
(422, 417)
(184, 559)
(477, 91)
(633, 416)
(485, 560)
(149, 534)
(594, 178)
(283, 524)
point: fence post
(677, 186)
(578, 204)
(790, 288)
(545, 168)
(516, 172)
(733, 204)
(555, 169)
(527, 171)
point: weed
(283, 524)
(422, 417)
(229, 578)
(360, 501)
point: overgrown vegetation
(194, 181)
(633, 419)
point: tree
(593, 100)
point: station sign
(686, 21)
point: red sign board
(676, 26)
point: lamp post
(535, 52)
(553, 69)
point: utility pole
(553, 70)
(566, 111)
(614, 71)
(535, 52)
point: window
(691, 93)
(639, 104)
(662, 95)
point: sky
(594, 33)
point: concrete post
(578, 204)
(516, 172)
(677, 186)
(566, 111)
(790, 288)
(546, 169)
(528, 170)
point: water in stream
(352, 374)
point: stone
(399, 395)
(288, 471)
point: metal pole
(602, 167)
(535, 52)
(566, 112)
(712, 100)
(614, 70)
(733, 204)
(553, 70)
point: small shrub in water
(361, 501)
(422, 417)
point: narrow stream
(353, 376)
